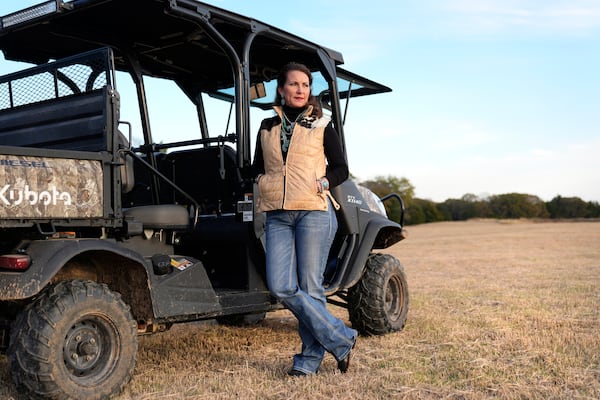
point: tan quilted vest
(292, 186)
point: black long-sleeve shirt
(337, 168)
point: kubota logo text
(15, 197)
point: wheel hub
(393, 298)
(83, 348)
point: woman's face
(296, 89)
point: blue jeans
(298, 244)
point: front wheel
(378, 303)
(78, 340)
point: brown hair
(282, 78)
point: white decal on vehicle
(354, 200)
(14, 197)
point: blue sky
(489, 96)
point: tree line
(502, 206)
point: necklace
(287, 127)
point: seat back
(210, 175)
(69, 104)
(77, 122)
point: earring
(282, 101)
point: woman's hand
(322, 185)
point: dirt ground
(498, 310)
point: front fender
(380, 233)
(47, 259)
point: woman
(298, 159)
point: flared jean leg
(310, 357)
(298, 243)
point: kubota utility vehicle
(107, 233)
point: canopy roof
(163, 35)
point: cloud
(554, 169)
(357, 44)
(542, 153)
(573, 17)
(461, 135)
(444, 137)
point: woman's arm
(337, 168)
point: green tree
(517, 205)
(593, 209)
(422, 211)
(572, 207)
(468, 206)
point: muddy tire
(378, 303)
(78, 340)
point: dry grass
(499, 309)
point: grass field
(498, 310)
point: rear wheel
(378, 303)
(78, 340)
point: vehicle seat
(163, 216)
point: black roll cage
(240, 64)
(171, 39)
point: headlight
(375, 204)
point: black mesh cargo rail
(66, 105)
(70, 76)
